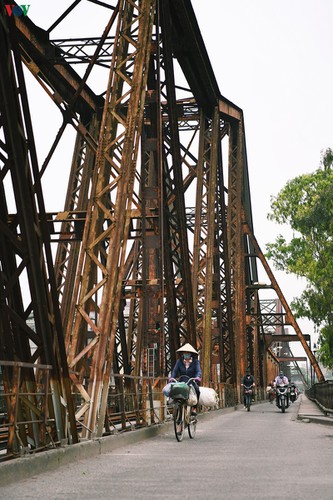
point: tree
(306, 205)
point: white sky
(272, 59)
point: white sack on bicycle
(192, 398)
(208, 397)
(166, 389)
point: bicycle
(182, 417)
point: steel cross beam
(286, 359)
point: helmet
(248, 371)
(187, 348)
(281, 374)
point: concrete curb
(307, 416)
(314, 419)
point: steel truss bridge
(154, 243)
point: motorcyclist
(247, 382)
(293, 390)
(281, 379)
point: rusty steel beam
(73, 218)
(209, 255)
(26, 254)
(176, 165)
(286, 359)
(205, 204)
(222, 288)
(236, 245)
(113, 177)
(290, 317)
(58, 80)
(271, 338)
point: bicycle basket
(179, 390)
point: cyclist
(188, 366)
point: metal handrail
(322, 394)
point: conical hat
(187, 348)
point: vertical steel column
(27, 241)
(207, 346)
(223, 296)
(176, 186)
(236, 246)
(204, 235)
(258, 351)
(112, 197)
(146, 326)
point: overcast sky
(272, 58)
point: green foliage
(326, 346)
(305, 204)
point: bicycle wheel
(178, 421)
(192, 423)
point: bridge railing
(322, 394)
(24, 417)
(133, 402)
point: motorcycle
(248, 395)
(293, 393)
(282, 396)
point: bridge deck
(236, 454)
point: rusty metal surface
(26, 254)
(151, 248)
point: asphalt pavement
(138, 461)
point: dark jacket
(193, 370)
(248, 380)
